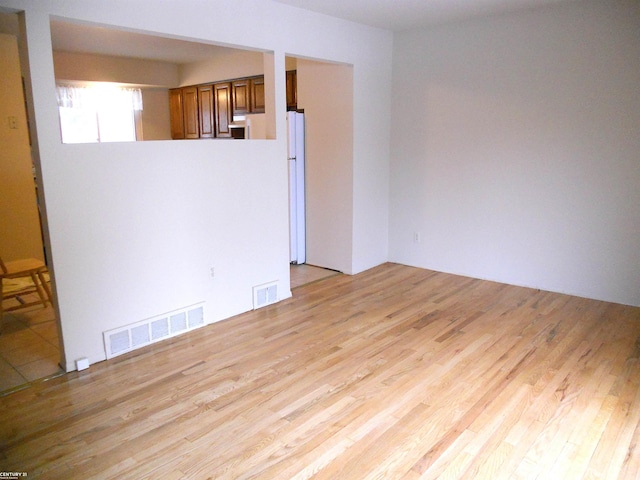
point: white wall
(20, 235)
(325, 93)
(516, 149)
(135, 227)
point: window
(99, 113)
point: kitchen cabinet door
(241, 97)
(257, 94)
(176, 113)
(206, 110)
(223, 106)
(191, 117)
(292, 90)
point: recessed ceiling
(398, 15)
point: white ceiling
(76, 37)
(398, 15)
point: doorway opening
(30, 342)
(324, 92)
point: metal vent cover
(151, 330)
(265, 294)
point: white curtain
(99, 96)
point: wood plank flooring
(304, 273)
(396, 373)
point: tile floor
(29, 348)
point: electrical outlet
(212, 272)
(13, 123)
(416, 237)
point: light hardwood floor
(304, 274)
(394, 373)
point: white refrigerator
(297, 226)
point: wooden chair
(29, 268)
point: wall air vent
(264, 295)
(152, 330)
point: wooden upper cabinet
(241, 96)
(206, 111)
(176, 113)
(257, 94)
(223, 106)
(292, 90)
(190, 113)
(248, 95)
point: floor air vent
(264, 295)
(124, 339)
